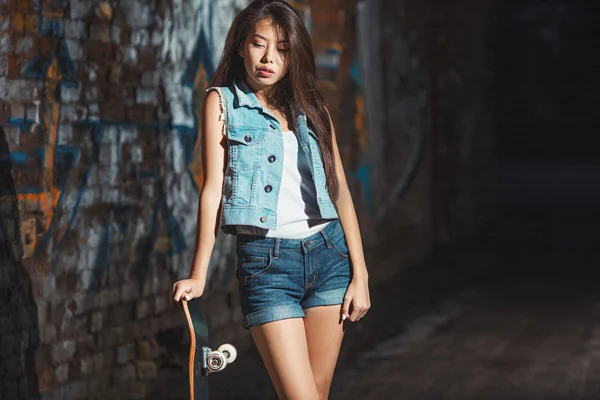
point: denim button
(306, 244)
(272, 159)
(247, 138)
(268, 188)
(263, 219)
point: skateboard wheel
(216, 361)
(229, 351)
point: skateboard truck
(215, 361)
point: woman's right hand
(187, 289)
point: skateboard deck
(203, 360)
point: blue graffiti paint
(174, 231)
(12, 157)
(363, 175)
(65, 159)
(37, 68)
(101, 268)
(355, 72)
(201, 58)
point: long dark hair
(298, 88)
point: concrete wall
(101, 170)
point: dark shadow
(19, 332)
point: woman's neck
(263, 94)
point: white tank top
(298, 214)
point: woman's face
(265, 55)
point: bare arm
(209, 203)
(347, 215)
(357, 300)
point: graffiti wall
(100, 174)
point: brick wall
(100, 176)
(101, 170)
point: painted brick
(84, 303)
(146, 96)
(91, 95)
(23, 45)
(6, 46)
(109, 297)
(47, 334)
(123, 374)
(93, 111)
(100, 31)
(125, 353)
(110, 337)
(17, 22)
(86, 342)
(4, 21)
(31, 112)
(97, 321)
(75, 49)
(70, 95)
(129, 55)
(18, 111)
(80, 8)
(3, 65)
(3, 90)
(62, 373)
(74, 29)
(86, 365)
(115, 34)
(120, 314)
(92, 71)
(20, 90)
(140, 38)
(143, 309)
(99, 384)
(146, 369)
(65, 134)
(130, 291)
(31, 23)
(144, 350)
(161, 304)
(150, 78)
(63, 351)
(104, 360)
(157, 38)
(74, 390)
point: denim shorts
(279, 278)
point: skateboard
(203, 360)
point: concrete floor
(510, 313)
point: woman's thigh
(324, 334)
(283, 347)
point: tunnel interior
(546, 142)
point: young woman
(274, 177)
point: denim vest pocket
(245, 146)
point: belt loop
(326, 237)
(276, 249)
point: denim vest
(255, 161)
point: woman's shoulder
(220, 89)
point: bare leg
(282, 346)
(324, 334)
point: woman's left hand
(356, 301)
